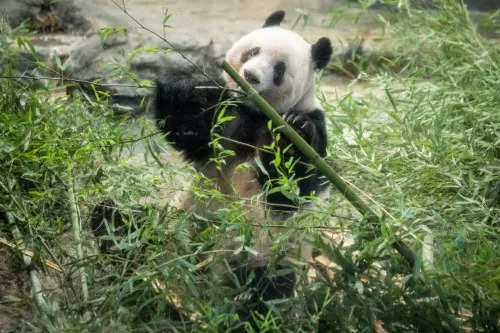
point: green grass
(435, 153)
(427, 151)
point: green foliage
(8, 38)
(491, 23)
(107, 32)
(41, 139)
(428, 150)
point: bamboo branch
(315, 159)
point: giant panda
(281, 66)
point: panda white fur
(280, 65)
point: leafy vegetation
(425, 147)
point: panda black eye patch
(249, 54)
(279, 72)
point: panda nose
(251, 77)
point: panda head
(280, 64)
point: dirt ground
(221, 21)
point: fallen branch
(30, 254)
(315, 159)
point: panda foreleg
(185, 105)
(311, 126)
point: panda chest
(245, 134)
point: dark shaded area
(45, 15)
(255, 287)
(14, 292)
(483, 5)
(106, 219)
(265, 286)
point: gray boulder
(121, 62)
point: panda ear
(274, 19)
(321, 53)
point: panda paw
(302, 123)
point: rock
(45, 15)
(48, 47)
(121, 62)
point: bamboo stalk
(314, 158)
(428, 251)
(78, 239)
(36, 286)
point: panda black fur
(280, 65)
